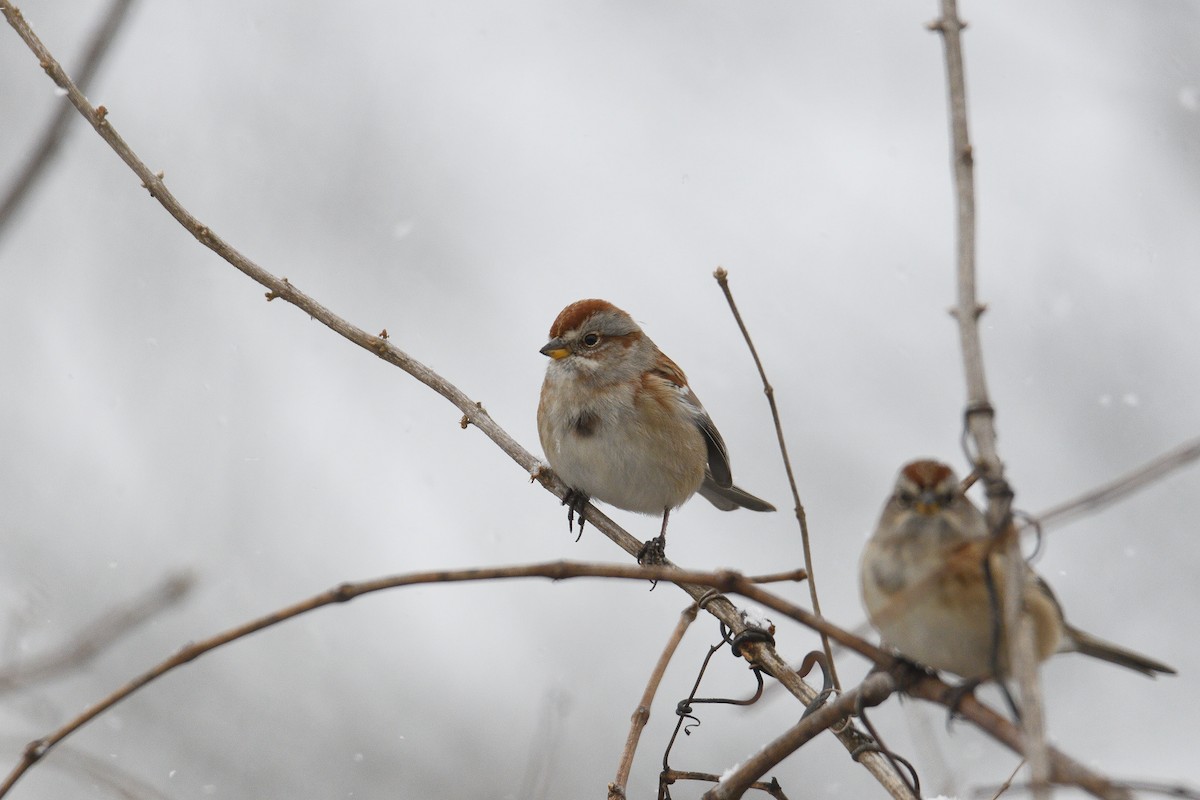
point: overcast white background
(458, 172)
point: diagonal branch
(97, 635)
(1119, 489)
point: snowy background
(458, 172)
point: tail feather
(727, 498)
(1089, 645)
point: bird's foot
(576, 503)
(653, 552)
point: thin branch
(1002, 788)
(723, 281)
(876, 688)
(772, 788)
(930, 688)
(1148, 787)
(795, 575)
(473, 412)
(55, 130)
(757, 653)
(97, 635)
(641, 715)
(1122, 487)
(980, 414)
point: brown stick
(641, 714)
(723, 281)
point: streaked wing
(718, 456)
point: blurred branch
(473, 412)
(641, 715)
(97, 635)
(1123, 486)
(1147, 787)
(55, 131)
(101, 773)
(979, 417)
(1063, 769)
(723, 281)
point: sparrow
(924, 588)
(619, 423)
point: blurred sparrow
(620, 424)
(924, 589)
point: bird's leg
(655, 550)
(906, 672)
(575, 501)
(957, 695)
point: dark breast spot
(585, 424)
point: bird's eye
(906, 499)
(591, 339)
(945, 498)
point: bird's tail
(1089, 645)
(727, 498)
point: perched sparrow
(619, 423)
(924, 589)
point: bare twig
(641, 715)
(763, 656)
(722, 277)
(796, 575)
(874, 690)
(1165, 789)
(980, 414)
(1148, 787)
(54, 132)
(97, 635)
(772, 788)
(1002, 788)
(1119, 489)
